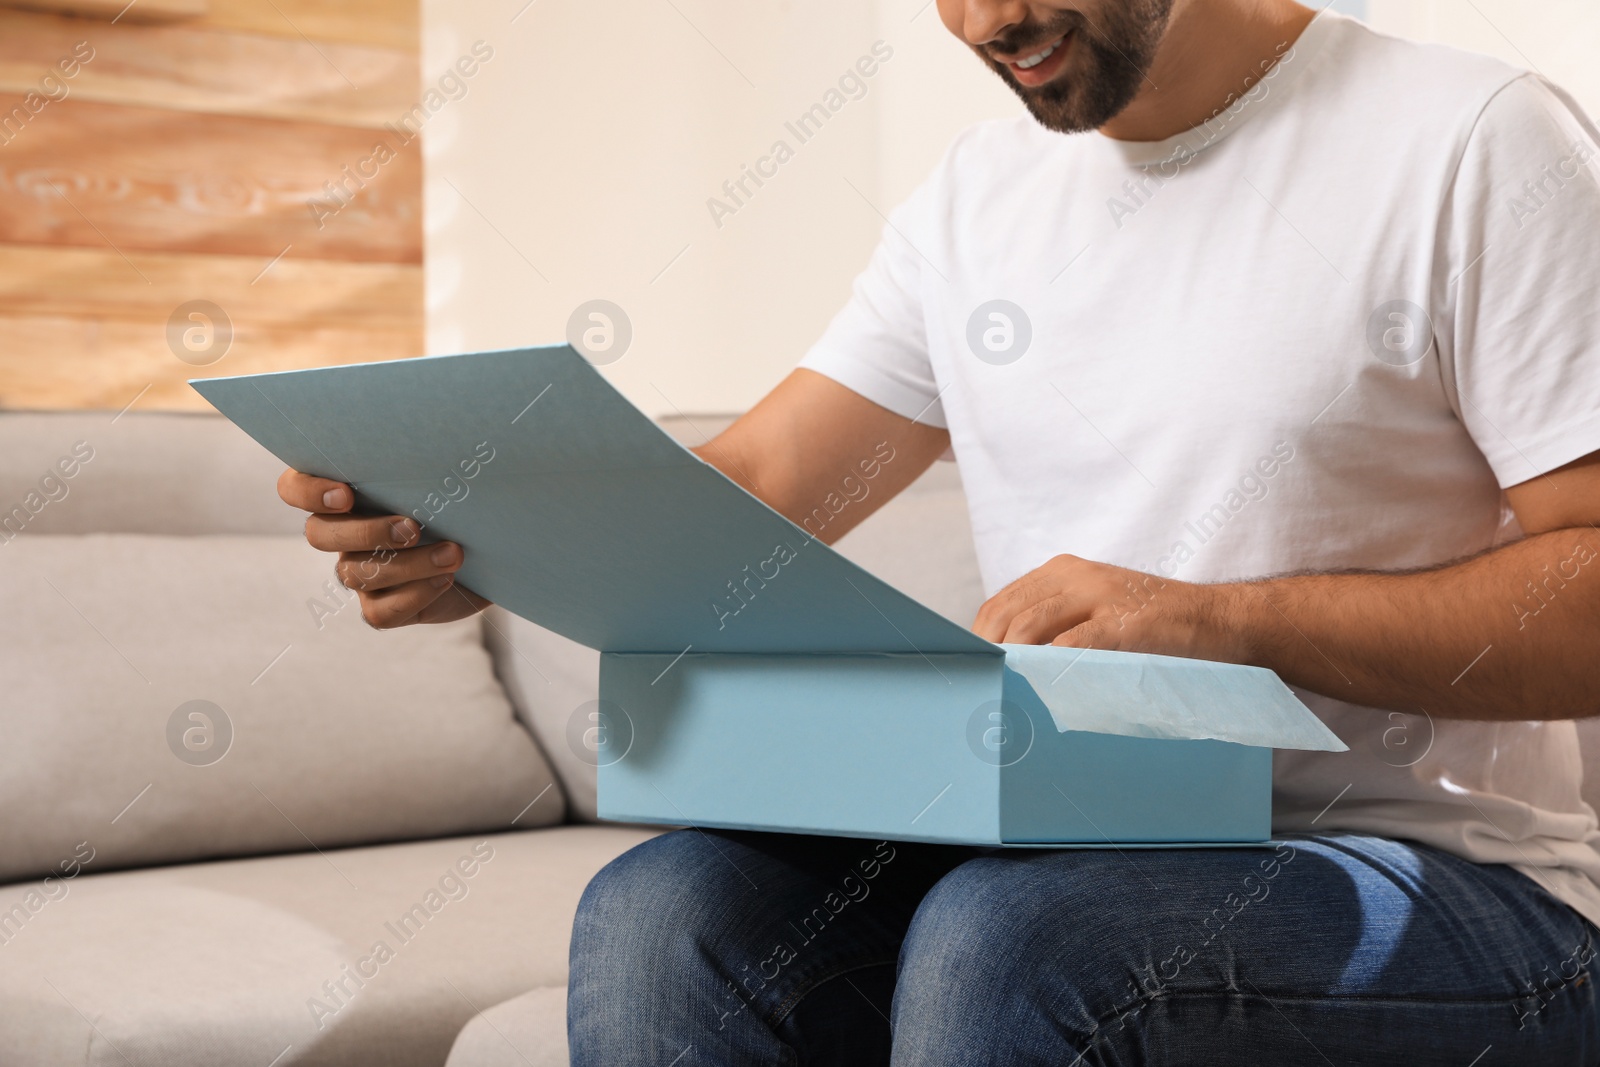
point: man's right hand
(399, 581)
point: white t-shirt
(1222, 369)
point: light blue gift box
(750, 676)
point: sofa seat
(527, 1031)
(277, 960)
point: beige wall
(594, 137)
(1556, 37)
(940, 89)
(586, 149)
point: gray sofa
(237, 826)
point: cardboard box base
(952, 749)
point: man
(1256, 293)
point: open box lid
(579, 513)
(589, 520)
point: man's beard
(1114, 57)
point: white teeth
(1038, 57)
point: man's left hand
(1078, 603)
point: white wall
(586, 149)
(1558, 38)
(589, 145)
(940, 89)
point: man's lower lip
(1033, 76)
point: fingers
(1076, 603)
(401, 604)
(1000, 611)
(997, 612)
(361, 533)
(1040, 622)
(399, 581)
(310, 493)
(429, 600)
(331, 529)
(1046, 601)
(388, 568)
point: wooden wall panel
(179, 167)
(88, 283)
(221, 72)
(59, 362)
(94, 175)
(145, 11)
(384, 23)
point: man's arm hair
(1512, 633)
(821, 455)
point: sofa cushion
(176, 698)
(552, 682)
(137, 472)
(230, 964)
(526, 1031)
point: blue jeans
(707, 947)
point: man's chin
(1052, 105)
(1074, 101)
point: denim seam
(787, 1005)
(1223, 991)
(1511, 998)
(1133, 1008)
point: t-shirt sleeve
(1521, 265)
(877, 345)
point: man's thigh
(1336, 949)
(752, 948)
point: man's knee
(1000, 936)
(960, 930)
(644, 944)
(977, 931)
(666, 888)
(984, 913)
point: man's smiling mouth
(1040, 65)
(1038, 57)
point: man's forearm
(822, 456)
(1511, 634)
